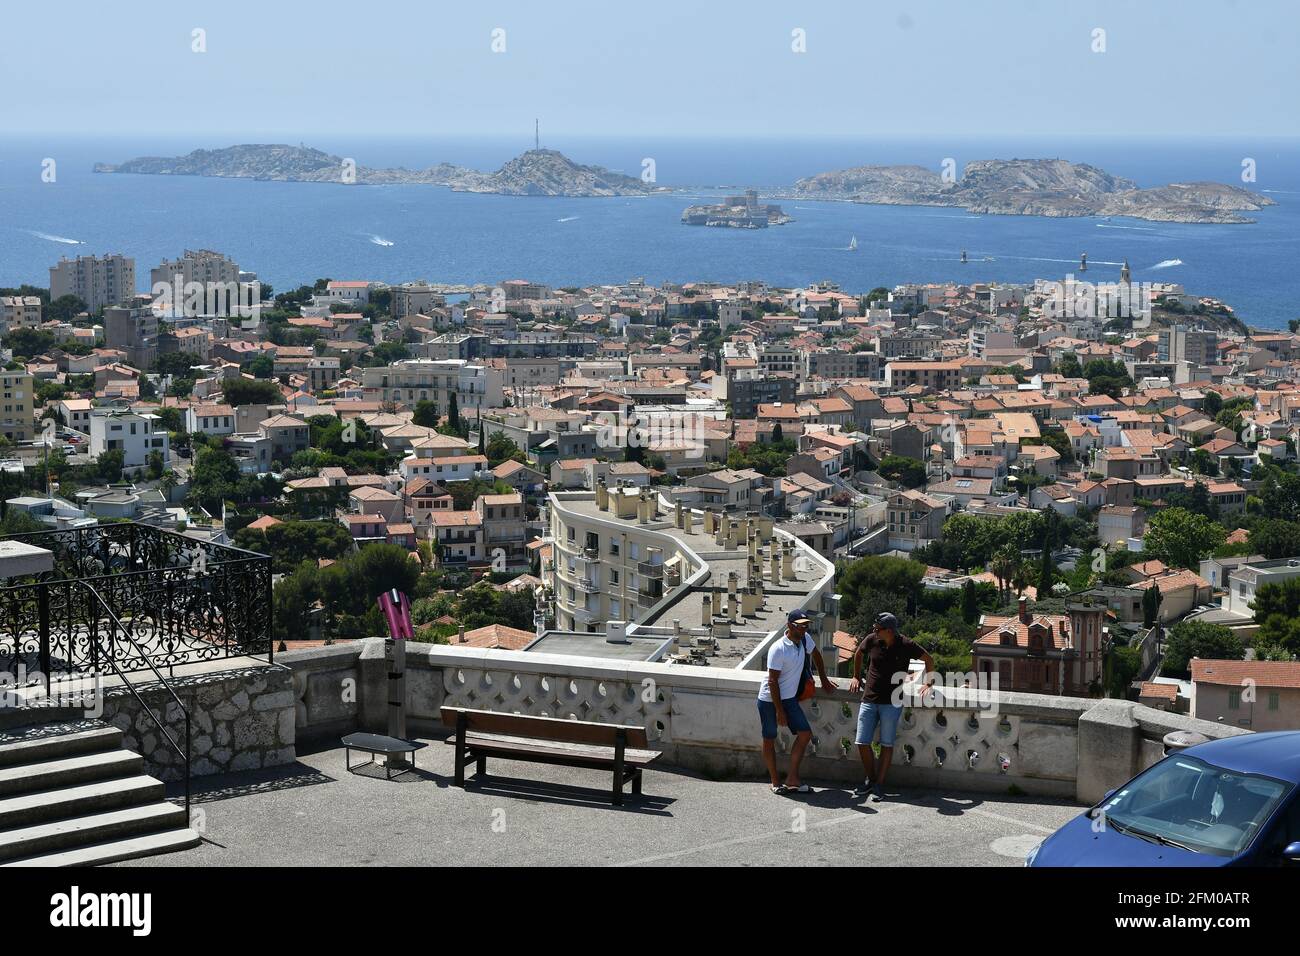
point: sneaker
(877, 793)
(862, 789)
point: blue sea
(293, 233)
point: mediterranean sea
(294, 233)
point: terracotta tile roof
(1235, 673)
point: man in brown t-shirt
(889, 656)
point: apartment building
(915, 520)
(505, 533)
(19, 312)
(195, 265)
(1178, 344)
(98, 281)
(133, 328)
(136, 436)
(938, 376)
(411, 381)
(415, 299)
(16, 404)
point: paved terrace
(810, 572)
(314, 813)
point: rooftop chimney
(1024, 609)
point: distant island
(1035, 187)
(537, 172)
(737, 212)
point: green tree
(897, 576)
(1151, 601)
(247, 391)
(425, 414)
(908, 472)
(1124, 665)
(215, 478)
(1190, 639)
(970, 609)
(1275, 538)
(1182, 539)
(1107, 377)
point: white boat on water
(853, 244)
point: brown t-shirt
(886, 666)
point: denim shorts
(886, 715)
(794, 717)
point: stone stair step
(69, 771)
(167, 841)
(109, 826)
(33, 749)
(44, 806)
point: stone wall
(240, 720)
(705, 719)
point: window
(1234, 700)
(1274, 700)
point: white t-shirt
(785, 656)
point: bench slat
(546, 728)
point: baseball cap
(887, 621)
(798, 616)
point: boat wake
(380, 240)
(63, 239)
(567, 219)
(1167, 263)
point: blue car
(1229, 802)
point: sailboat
(853, 244)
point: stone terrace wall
(240, 720)
(705, 719)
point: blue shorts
(886, 715)
(794, 717)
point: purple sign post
(397, 613)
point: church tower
(1125, 275)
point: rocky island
(1035, 187)
(537, 172)
(736, 212)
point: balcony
(646, 569)
(586, 585)
(125, 597)
(1062, 753)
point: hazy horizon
(910, 70)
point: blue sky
(898, 69)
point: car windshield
(1184, 801)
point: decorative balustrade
(706, 718)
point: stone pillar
(677, 513)
(710, 522)
(748, 603)
(706, 615)
(776, 569)
(787, 561)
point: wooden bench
(570, 743)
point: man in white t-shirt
(778, 697)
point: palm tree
(167, 483)
(1003, 564)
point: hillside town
(1063, 488)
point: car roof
(1274, 754)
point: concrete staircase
(71, 796)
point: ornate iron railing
(185, 601)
